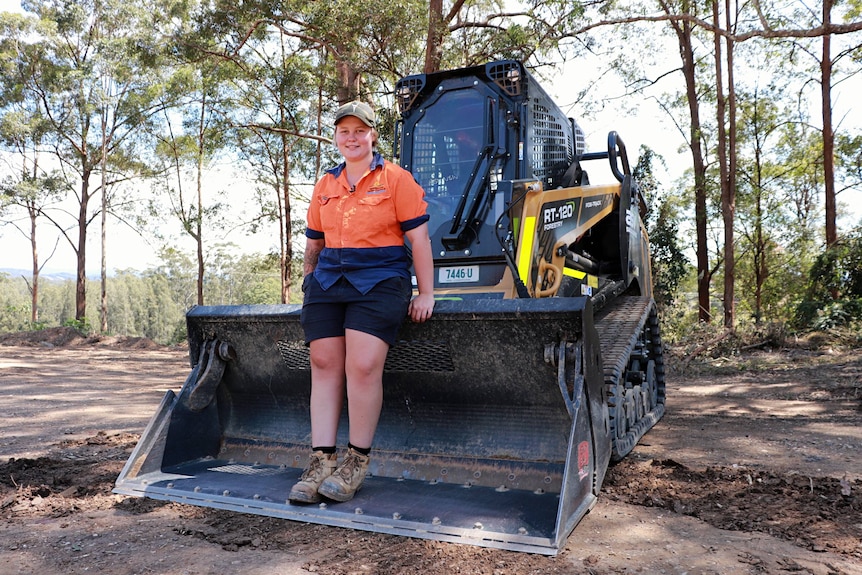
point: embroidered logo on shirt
(377, 188)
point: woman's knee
(327, 354)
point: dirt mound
(70, 337)
(50, 337)
(126, 342)
(817, 513)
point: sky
(637, 123)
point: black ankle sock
(362, 450)
(329, 449)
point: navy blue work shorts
(327, 313)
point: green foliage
(774, 200)
(150, 304)
(188, 87)
(82, 326)
(14, 306)
(669, 264)
(834, 293)
(848, 158)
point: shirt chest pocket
(329, 201)
(330, 207)
(359, 220)
(377, 210)
(375, 200)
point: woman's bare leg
(327, 389)
(365, 356)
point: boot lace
(351, 466)
(315, 468)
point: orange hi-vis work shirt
(363, 227)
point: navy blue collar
(376, 162)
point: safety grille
(294, 354)
(405, 356)
(407, 90)
(424, 356)
(238, 469)
(508, 76)
(551, 145)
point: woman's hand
(421, 307)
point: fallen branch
(706, 345)
(763, 343)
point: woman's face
(354, 139)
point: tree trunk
(198, 220)
(81, 249)
(200, 245)
(728, 191)
(434, 43)
(284, 231)
(683, 32)
(828, 133)
(760, 267)
(104, 266)
(349, 82)
(724, 180)
(34, 289)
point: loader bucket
(493, 431)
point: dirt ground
(755, 468)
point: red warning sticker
(583, 459)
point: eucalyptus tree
(831, 73)
(276, 130)
(726, 147)
(687, 86)
(469, 32)
(760, 208)
(826, 66)
(31, 187)
(84, 45)
(191, 137)
(282, 167)
(798, 153)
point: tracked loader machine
(541, 365)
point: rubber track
(619, 326)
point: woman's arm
(422, 305)
(312, 253)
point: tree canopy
(194, 122)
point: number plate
(459, 274)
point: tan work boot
(320, 466)
(346, 480)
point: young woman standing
(357, 291)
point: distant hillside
(57, 276)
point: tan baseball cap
(358, 109)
